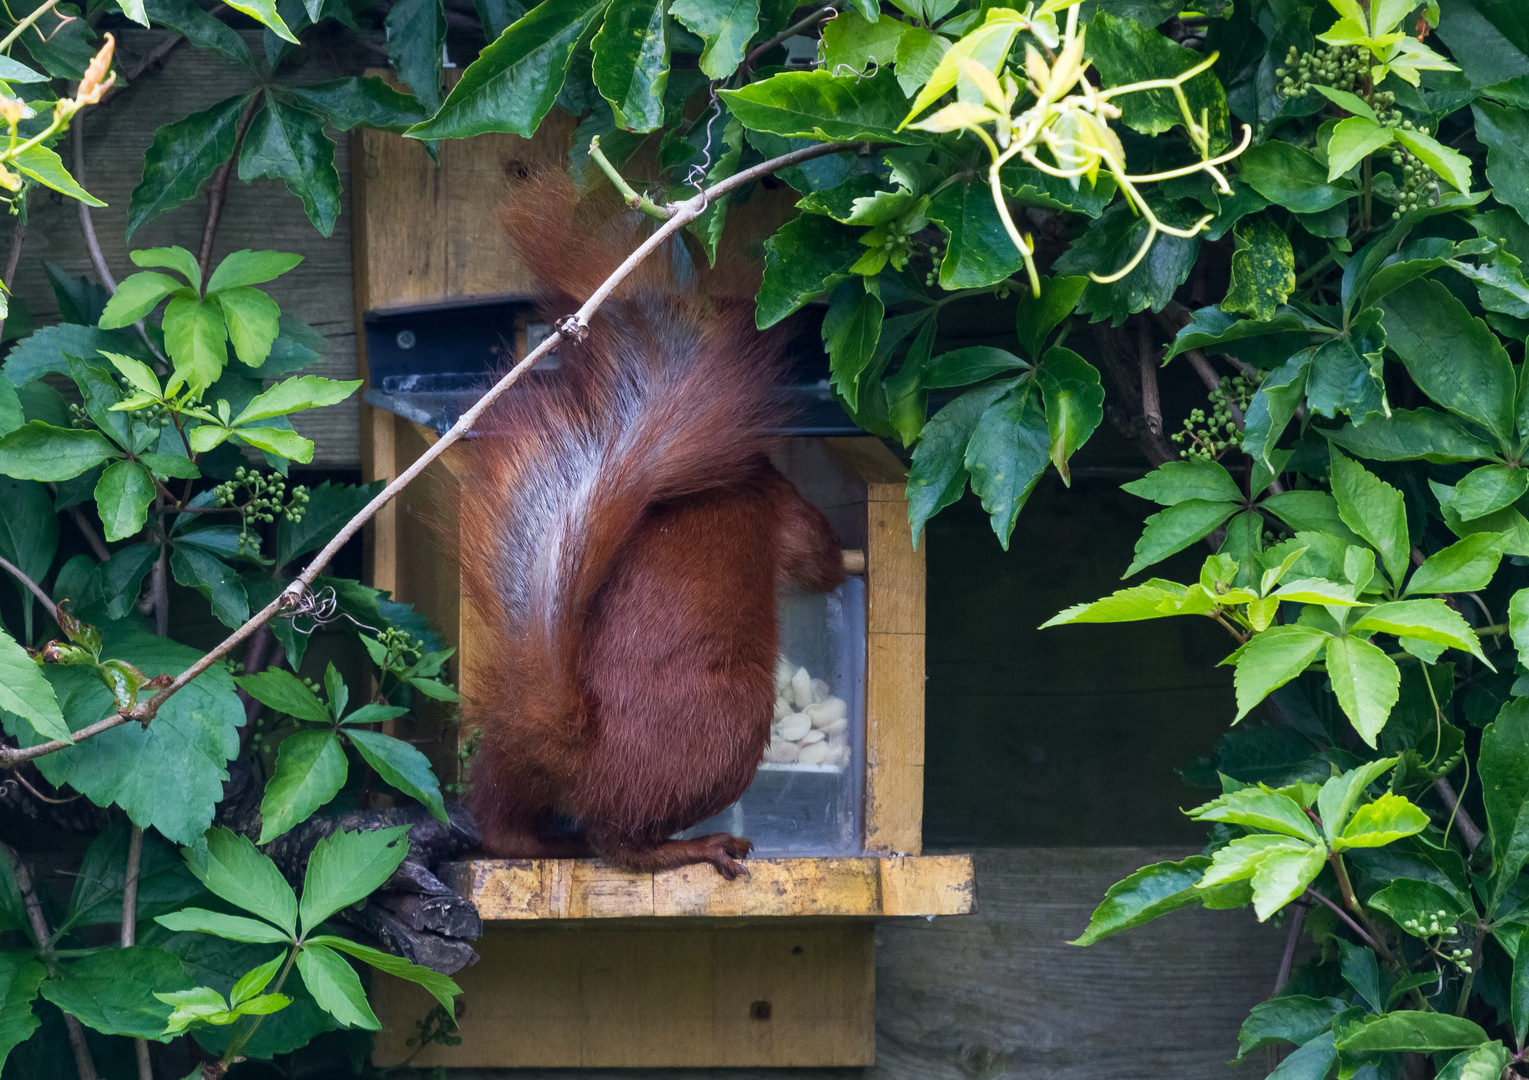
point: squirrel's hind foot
(723, 850)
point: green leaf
(310, 770)
(1415, 905)
(295, 395)
(255, 980)
(164, 883)
(183, 157)
(112, 991)
(1505, 131)
(236, 872)
(852, 43)
(938, 476)
(1413, 1031)
(248, 267)
(336, 987)
(851, 329)
(47, 168)
(14, 71)
(329, 507)
(1174, 482)
(288, 144)
(1271, 659)
(20, 976)
(416, 38)
(1339, 794)
(631, 66)
(1504, 766)
(1074, 401)
(987, 45)
(1518, 1002)
(1344, 377)
(1283, 875)
(194, 338)
(1126, 51)
(39, 451)
(1353, 140)
(402, 766)
(1293, 1018)
(1113, 241)
(1366, 682)
(214, 579)
(1465, 566)
(1263, 269)
(440, 987)
(283, 442)
(1154, 600)
(517, 78)
(1453, 166)
(1143, 896)
(25, 692)
(1262, 808)
(1175, 528)
(1285, 174)
(978, 251)
(1410, 435)
(1274, 404)
(821, 105)
(233, 927)
(171, 258)
(359, 101)
(1384, 821)
(136, 296)
(252, 318)
(285, 693)
(264, 12)
(1374, 510)
(973, 364)
(201, 29)
(1313, 1061)
(349, 866)
(1486, 1062)
(1427, 620)
(1006, 455)
(807, 256)
(1035, 317)
(123, 495)
(725, 25)
(1489, 488)
(1454, 358)
(1518, 625)
(1284, 335)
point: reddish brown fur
(636, 694)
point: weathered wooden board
(797, 992)
(1001, 994)
(522, 889)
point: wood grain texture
(894, 742)
(599, 995)
(260, 214)
(526, 889)
(999, 995)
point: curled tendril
(322, 608)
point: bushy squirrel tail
(671, 393)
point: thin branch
(39, 924)
(1470, 832)
(1297, 922)
(1151, 397)
(92, 245)
(790, 32)
(570, 326)
(217, 190)
(130, 930)
(159, 591)
(18, 234)
(32, 586)
(1352, 925)
(97, 545)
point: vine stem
(130, 930)
(83, 1062)
(1364, 934)
(10, 39)
(1470, 832)
(32, 586)
(87, 226)
(217, 191)
(569, 326)
(18, 234)
(790, 32)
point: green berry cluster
(267, 493)
(1432, 927)
(1420, 184)
(467, 749)
(896, 239)
(79, 417)
(156, 415)
(1461, 958)
(403, 648)
(934, 265)
(1341, 67)
(1209, 437)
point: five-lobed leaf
(348, 866)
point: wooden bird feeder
(582, 963)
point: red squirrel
(623, 538)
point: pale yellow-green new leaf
(1387, 819)
(1366, 682)
(1271, 659)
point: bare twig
(87, 227)
(799, 27)
(1470, 832)
(159, 591)
(93, 538)
(130, 929)
(39, 924)
(217, 189)
(1292, 939)
(1151, 398)
(18, 234)
(32, 586)
(1364, 934)
(572, 325)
